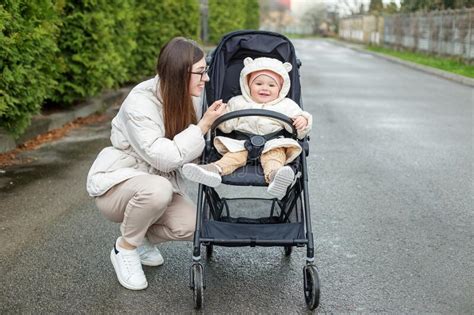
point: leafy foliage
(252, 13)
(159, 22)
(375, 6)
(97, 41)
(27, 60)
(62, 51)
(430, 5)
(230, 15)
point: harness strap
(239, 135)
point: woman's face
(198, 77)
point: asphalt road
(391, 187)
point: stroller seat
(252, 173)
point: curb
(44, 123)
(438, 72)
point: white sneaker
(281, 180)
(149, 254)
(206, 174)
(128, 268)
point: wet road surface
(391, 195)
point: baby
(264, 83)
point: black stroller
(287, 222)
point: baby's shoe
(279, 181)
(206, 174)
(149, 254)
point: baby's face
(264, 89)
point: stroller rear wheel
(311, 286)
(197, 284)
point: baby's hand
(300, 122)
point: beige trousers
(271, 161)
(146, 206)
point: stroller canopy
(226, 62)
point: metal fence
(439, 32)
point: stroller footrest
(248, 175)
(238, 234)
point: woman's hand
(217, 109)
(300, 122)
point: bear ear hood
(264, 63)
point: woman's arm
(148, 141)
(217, 109)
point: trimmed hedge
(155, 29)
(28, 65)
(230, 15)
(63, 51)
(97, 43)
(252, 13)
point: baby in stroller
(264, 83)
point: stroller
(287, 222)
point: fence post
(470, 34)
(440, 35)
(453, 33)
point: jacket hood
(264, 63)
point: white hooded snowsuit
(262, 125)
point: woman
(137, 181)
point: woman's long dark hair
(174, 65)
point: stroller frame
(213, 215)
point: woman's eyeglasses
(202, 73)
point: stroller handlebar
(256, 112)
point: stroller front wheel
(311, 286)
(288, 250)
(197, 284)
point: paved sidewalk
(44, 123)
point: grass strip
(452, 65)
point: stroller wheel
(209, 250)
(288, 250)
(311, 286)
(197, 284)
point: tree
(430, 5)
(315, 16)
(349, 7)
(390, 8)
(375, 6)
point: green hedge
(155, 29)
(96, 43)
(28, 67)
(230, 15)
(62, 51)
